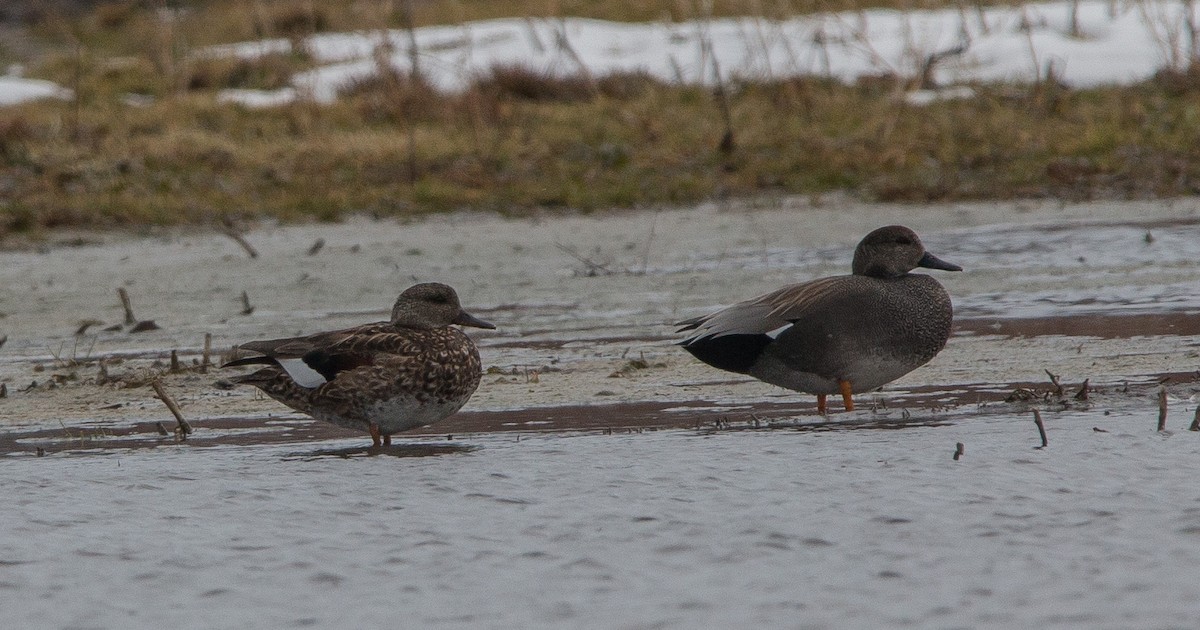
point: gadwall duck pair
(832, 335)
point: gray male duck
(384, 377)
(839, 334)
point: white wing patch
(774, 334)
(303, 375)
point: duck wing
(767, 314)
(316, 359)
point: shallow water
(579, 489)
(673, 528)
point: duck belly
(401, 413)
(822, 377)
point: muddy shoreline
(1082, 291)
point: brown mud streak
(619, 417)
(1104, 326)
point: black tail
(255, 360)
(735, 353)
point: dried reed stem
(959, 449)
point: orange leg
(847, 395)
(821, 409)
(374, 429)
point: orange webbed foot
(847, 394)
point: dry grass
(518, 140)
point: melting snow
(1107, 42)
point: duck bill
(929, 261)
(466, 319)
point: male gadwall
(840, 334)
(384, 377)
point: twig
(414, 57)
(1082, 394)
(564, 45)
(246, 308)
(161, 429)
(228, 230)
(594, 268)
(958, 450)
(124, 295)
(175, 362)
(316, 247)
(1195, 421)
(1058, 388)
(83, 327)
(727, 144)
(184, 429)
(1037, 419)
(1162, 407)
(206, 358)
(926, 79)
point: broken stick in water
(184, 428)
(175, 362)
(161, 429)
(229, 230)
(958, 450)
(1162, 407)
(124, 295)
(1195, 421)
(1082, 394)
(1037, 419)
(1058, 388)
(316, 247)
(246, 308)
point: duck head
(892, 251)
(432, 305)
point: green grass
(518, 141)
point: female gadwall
(385, 377)
(839, 334)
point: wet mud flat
(585, 307)
(600, 477)
(928, 405)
